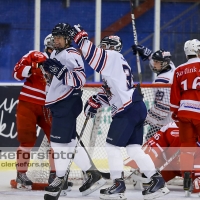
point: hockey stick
(50, 197)
(135, 41)
(146, 180)
(103, 174)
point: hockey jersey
(164, 143)
(185, 90)
(159, 114)
(34, 86)
(161, 147)
(74, 78)
(117, 89)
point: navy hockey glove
(91, 106)
(143, 51)
(55, 67)
(77, 34)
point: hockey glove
(77, 34)
(143, 51)
(91, 106)
(55, 67)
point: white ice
(7, 193)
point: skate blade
(161, 192)
(113, 196)
(24, 187)
(62, 193)
(94, 187)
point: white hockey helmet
(112, 41)
(192, 47)
(49, 42)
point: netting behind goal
(94, 137)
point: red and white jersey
(116, 74)
(159, 114)
(165, 142)
(74, 78)
(33, 89)
(185, 90)
(161, 146)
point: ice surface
(7, 193)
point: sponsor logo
(190, 105)
(109, 138)
(56, 137)
(175, 133)
(61, 71)
(53, 69)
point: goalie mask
(192, 48)
(162, 58)
(111, 43)
(49, 42)
(61, 30)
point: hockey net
(94, 137)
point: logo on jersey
(175, 133)
(159, 95)
(54, 69)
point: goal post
(94, 137)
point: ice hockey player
(31, 111)
(126, 102)
(64, 101)
(160, 63)
(184, 103)
(162, 147)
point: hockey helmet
(164, 57)
(49, 42)
(112, 41)
(192, 47)
(62, 29)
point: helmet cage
(62, 29)
(49, 42)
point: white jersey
(117, 89)
(74, 78)
(159, 114)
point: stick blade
(50, 197)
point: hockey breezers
(50, 197)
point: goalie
(160, 63)
(163, 146)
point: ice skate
(94, 182)
(187, 183)
(52, 176)
(54, 187)
(114, 192)
(23, 182)
(156, 188)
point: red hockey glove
(91, 106)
